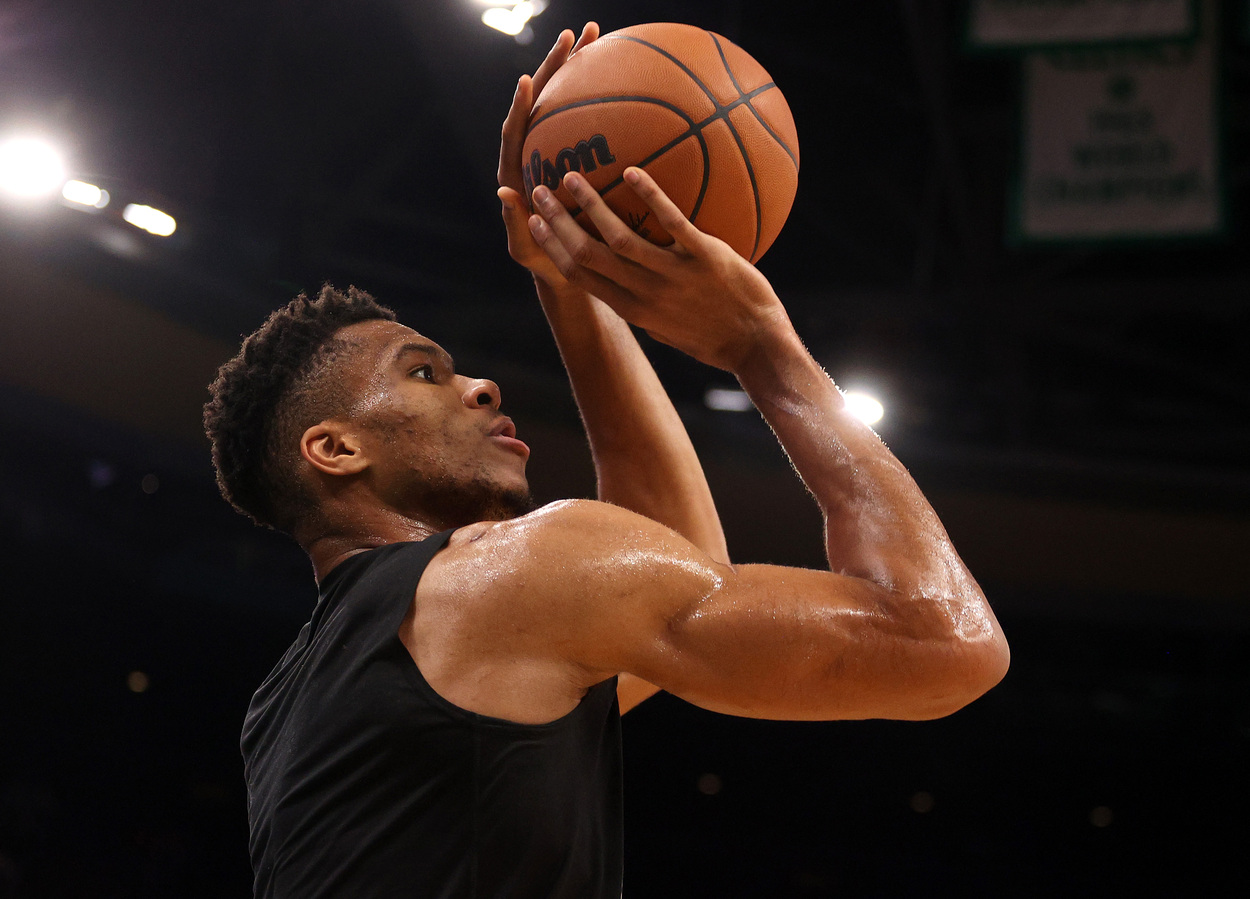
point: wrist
(557, 291)
(772, 344)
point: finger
(590, 33)
(584, 250)
(515, 215)
(612, 293)
(555, 58)
(666, 212)
(521, 245)
(618, 236)
(513, 135)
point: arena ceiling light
(149, 219)
(513, 18)
(84, 195)
(30, 168)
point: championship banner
(1022, 24)
(1121, 143)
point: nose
(481, 392)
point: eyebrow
(428, 349)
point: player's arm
(583, 589)
(901, 596)
(643, 457)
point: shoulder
(516, 619)
(568, 574)
(570, 539)
(550, 522)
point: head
(332, 408)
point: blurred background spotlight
(138, 682)
(80, 193)
(866, 408)
(30, 167)
(709, 784)
(513, 18)
(726, 400)
(151, 220)
(1101, 816)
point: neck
(329, 543)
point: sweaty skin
(519, 616)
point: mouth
(504, 433)
(504, 428)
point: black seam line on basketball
(759, 118)
(695, 130)
(725, 63)
(677, 62)
(591, 101)
(722, 113)
(755, 188)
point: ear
(332, 448)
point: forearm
(644, 460)
(879, 526)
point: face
(437, 444)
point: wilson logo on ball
(584, 156)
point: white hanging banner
(1121, 142)
(1012, 24)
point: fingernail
(542, 195)
(631, 175)
(574, 181)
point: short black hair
(278, 385)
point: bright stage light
(30, 167)
(150, 220)
(866, 408)
(511, 18)
(80, 193)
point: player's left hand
(521, 244)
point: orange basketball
(691, 108)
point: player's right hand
(697, 294)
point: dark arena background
(1076, 405)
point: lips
(504, 433)
(504, 428)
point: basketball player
(446, 724)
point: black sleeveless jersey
(363, 782)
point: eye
(424, 372)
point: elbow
(968, 673)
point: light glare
(30, 167)
(866, 408)
(504, 20)
(150, 220)
(84, 194)
(512, 18)
(724, 400)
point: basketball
(694, 110)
